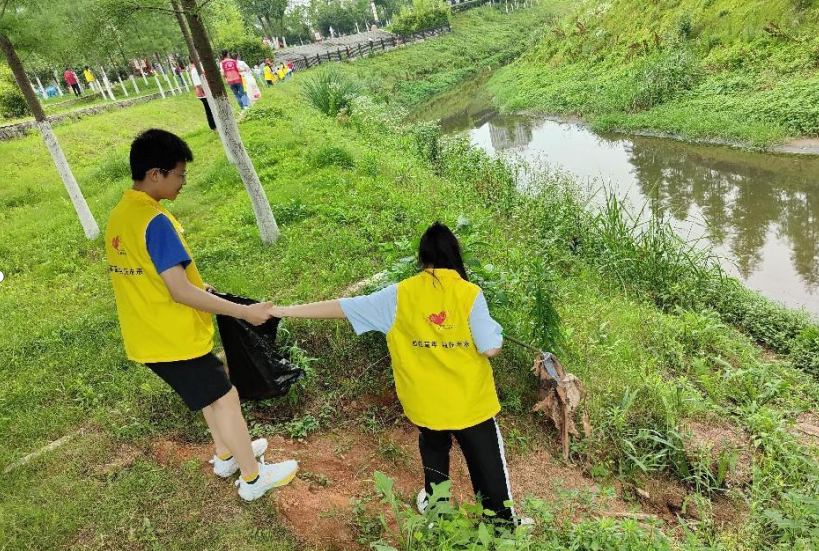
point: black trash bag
(257, 369)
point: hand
(209, 288)
(276, 311)
(257, 314)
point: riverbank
(721, 70)
(678, 397)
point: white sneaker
(421, 501)
(271, 475)
(228, 467)
(524, 521)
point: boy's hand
(257, 314)
(209, 288)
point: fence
(367, 48)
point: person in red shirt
(230, 70)
(71, 81)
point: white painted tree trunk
(220, 127)
(185, 80)
(159, 84)
(141, 72)
(57, 83)
(268, 230)
(107, 84)
(119, 78)
(136, 88)
(284, 41)
(42, 90)
(168, 82)
(89, 225)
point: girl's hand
(256, 314)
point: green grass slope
(714, 69)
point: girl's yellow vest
(154, 327)
(441, 379)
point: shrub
(330, 91)
(331, 155)
(12, 102)
(251, 50)
(663, 75)
(424, 14)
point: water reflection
(758, 210)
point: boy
(164, 309)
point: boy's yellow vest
(154, 327)
(89, 77)
(441, 379)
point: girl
(440, 337)
(268, 73)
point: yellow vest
(154, 327)
(88, 76)
(268, 73)
(441, 379)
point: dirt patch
(332, 502)
(122, 456)
(806, 428)
(714, 441)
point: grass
(651, 357)
(715, 69)
(61, 105)
(481, 40)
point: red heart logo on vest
(438, 319)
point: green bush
(251, 50)
(331, 155)
(663, 75)
(330, 91)
(12, 102)
(424, 14)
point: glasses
(182, 175)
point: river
(758, 211)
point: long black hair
(439, 248)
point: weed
(331, 155)
(330, 91)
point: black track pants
(482, 446)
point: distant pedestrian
(89, 78)
(71, 81)
(268, 73)
(178, 72)
(251, 88)
(230, 70)
(200, 93)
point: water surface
(759, 211)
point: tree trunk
(205, 86)
(136, 88)
(159, 85)
(42, 90)
(124, 89)
(107, 84)
(265, 31)
(268, 230)
(57, 83)
(89, 225)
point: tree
(229, 133)
(9, 15)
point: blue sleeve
(486, 332)
(373, 312)
(164, 245)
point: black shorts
(199, 382)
